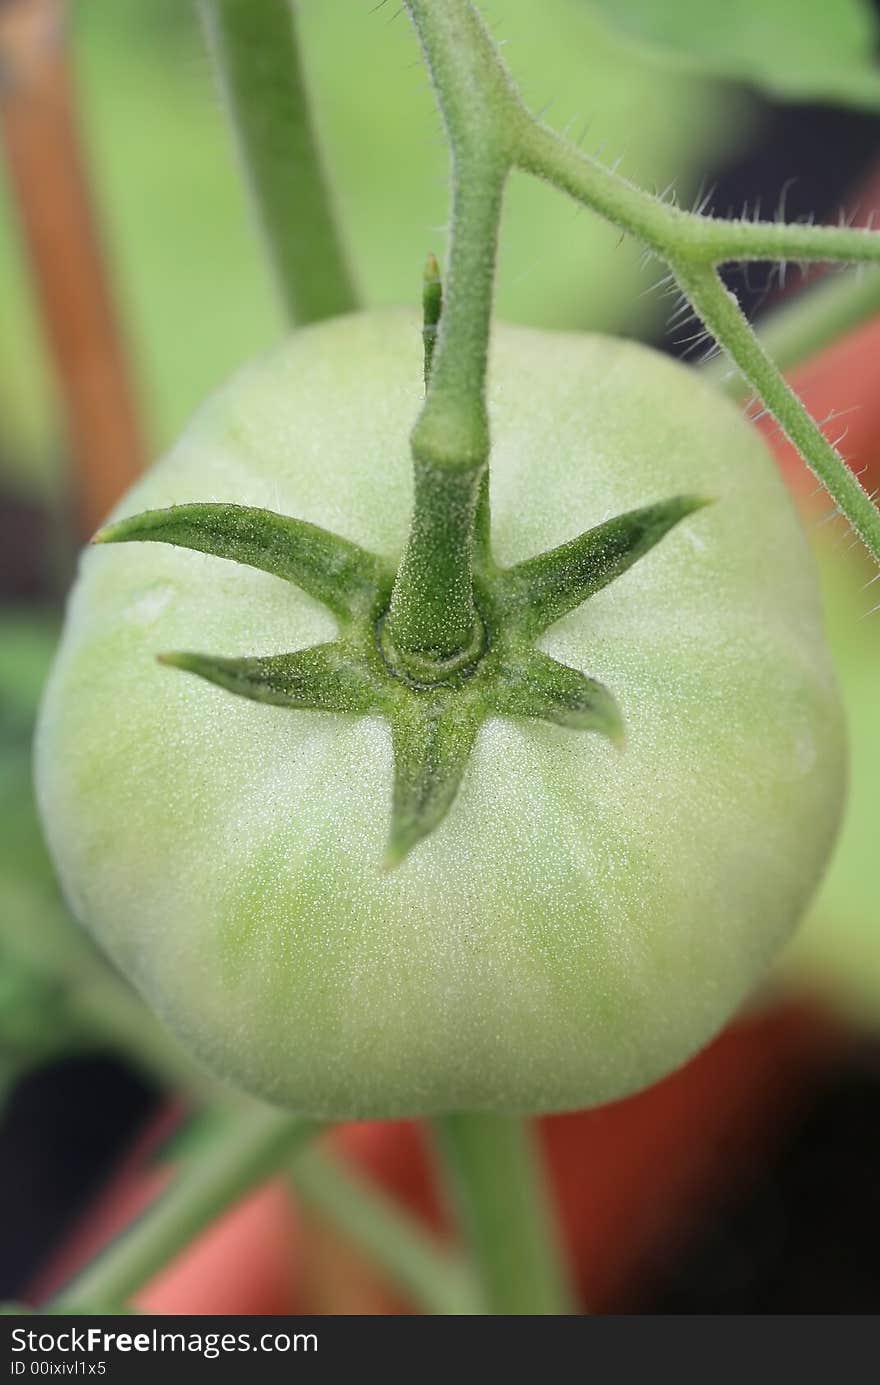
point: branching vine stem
(675, 234)
(486, 119)
(801, 326)
(726, 321)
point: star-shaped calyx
(434, 723)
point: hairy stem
(669, 230)
(436, 1278)
(713, 240)
(496, 1188)
(802, 326)
(724, 318)
(256, 51)
(546, 155)
(483, 108)
(238, 1158)
(433, 621)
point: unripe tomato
(584, 918)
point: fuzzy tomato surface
(584, 918)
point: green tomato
(584, 918)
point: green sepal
(538, 686)
(432, 740)
(433, 731)
(541, 590)
(343, 576)
(324, 678)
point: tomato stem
(805, 323)
(254, 1144)
(436, 1278)
(256, 53)
(722, 315)
(433, 620)
(485, 114)
(496, 1188)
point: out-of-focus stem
(497, 1188)
(48, 177)
(249, 1148)
(437, 1278)
(256, 51)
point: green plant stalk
(675, 234)
(256, 53)
(724, 318)
(812, 320)
(435, 1278)
(693, 246)
(497, 1190)
(255, 1144)
(482, 108)
(433, 626)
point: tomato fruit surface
(584, 918)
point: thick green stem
(239, 1157)
(474, 90)
(433, 626)
(436, 1278)
(433, 621)
(257, 57)
(803, 325)
(497, 1191)
(724, 318)
(453, 430)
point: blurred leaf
(26, 647)
(808, 50)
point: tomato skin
(583, 919)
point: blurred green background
(195, 295)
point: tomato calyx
(433, 724)
(341, 575)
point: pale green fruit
(584, 918)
